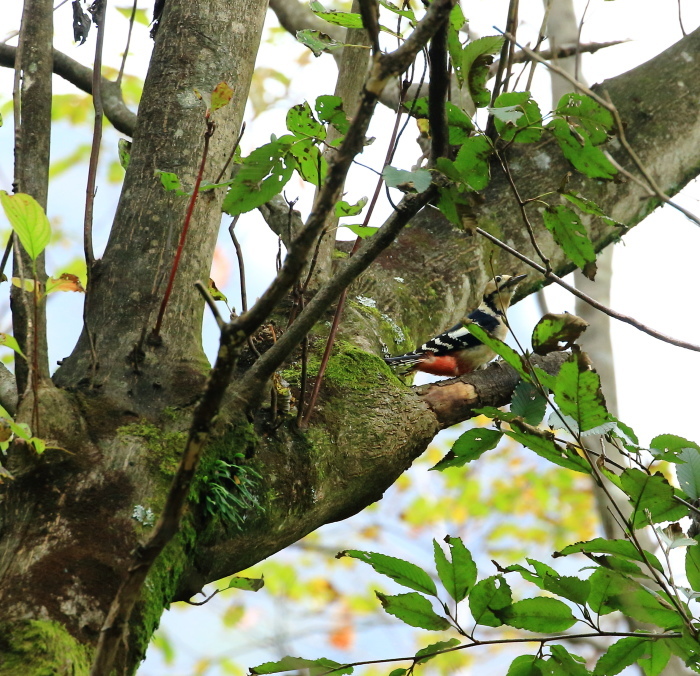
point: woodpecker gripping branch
(457, 351)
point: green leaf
(330, 110)
(596, 120)
(526, 665)
(405, 573)
(580, 151)
(572, 588)
(470, 446)
(517, 117)
(263, 174)
(10, 341)
(570, 234)
(692, 566)
(170, 181)
(542, 614)
(528, 403)
(246, 583)
(454, 205)
(505, 352)
(590, 207)
(569, 665)
(416, 181)
(620, 655)
(669, 446)
(413, 609)
(28, 220)
(345, 19)
(405, 13)
(622, 548)
(472, 162)
(458, 575)
(140, 15)
(459, 124)
(489, 597)
(362, 231)
(542, 443)
(124, 149)
(317, 41)
(310, 162)
(659, 655)
(454, 43)
(653, 495)
(435, 648)
(315, 667)
(611, 591)
(302, 123)
(475, 62)
(220, 96)
(343, 208)
(577, 393)
(688, 472)
(553, 329)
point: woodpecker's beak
(513, 281)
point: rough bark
(66, 520)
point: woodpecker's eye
(497, 279)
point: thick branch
(81, 76)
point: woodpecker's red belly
(456, 363)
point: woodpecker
(456, 351)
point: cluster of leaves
(624, 578)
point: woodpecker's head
(499, 291)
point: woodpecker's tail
(410, 359)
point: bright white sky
(656, 278)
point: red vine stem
(183, 235)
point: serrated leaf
(577, 393)
(459, 124)
(572, 588)
(542, 443)
(570, 234)
(317, 41)
(434, 648)
(417, 181)
(472, 162)
(489, 597)
(528, 403)
(474, 64)
(580, 151)
(589, 207)
(457, 575)
(413, 609)
(405, 573)
(263, 174)
(310, 161)
(316, 667)
(692, 566)
(246, 583)
(302, 123)
(343, 208)
(470, 446)
(405, 13)
(361, 231)
(688, 472)
(620, 655)
(588, 114)
(659, 655)
(622, 548)
(329, 109)
(28, 220)
(517, 117)
(553, 329)
(505, 352)
(569, 664)
(10, 341)
(345, 19)
(220, 96)
(651, 497)
(669, 446)
(527, 665)
(542, 614)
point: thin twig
(680, 19)
(591, 301)
(118, 81)
(183, 235)
(211, 303)
(231, 154)
(606, 103)
(6, 255)
(241, 264)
